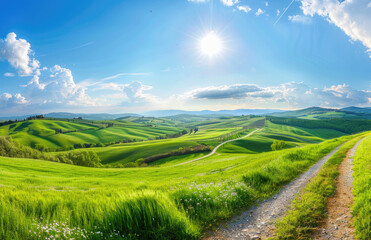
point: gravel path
(258, 222)
(337, 225)
(216, 148)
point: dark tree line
(26, 119)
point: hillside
(326, 113)
(43, 132)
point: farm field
(58, 185)
(172, 201)
(42, 132)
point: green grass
(315, 135)
(129, 152)
(308, 209)
(35, 193)
(42, 132)
(362, 190)
(258, 143)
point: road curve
(216, 148)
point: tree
(196, 130)
(278, 145)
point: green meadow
(33, 132)
(41, 199)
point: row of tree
(8, 122)
(193, 130)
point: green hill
(43, 132)
(326, 113)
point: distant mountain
(88, 116)
(358, 109)
(237, 112)
(91, 116)
(16, 117)
(326, 113)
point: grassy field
(42, 132)
(149, 203)
(41, 199)
(362, 190)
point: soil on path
(338, 224)
(258, 222)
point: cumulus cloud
(56, 86)
(17, 52)
(266, 4)
(134, 93)
(230, 3)
(300, 19)
(8, 100)
(259, 12)
(352, 16)
(245, 8)
(48, 87)
(293, 94)
(130, 93)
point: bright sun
(211, 44)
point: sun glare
(211, 44)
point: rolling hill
(34, 132)
(326, 113)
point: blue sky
(134, 56)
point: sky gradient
(136, 56)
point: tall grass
(362, 190)
(209, 203)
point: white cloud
(200, 1)
(56, 86)
(8, 74)
(292, 94)
(233, 91)
(301, 19)
(369, 5)
(230, 3)
(266, 4)
(259, 12)
(134, 94)
(17, 52)
(245, 8)
(8, 100)
(352, 16)
(278, 12)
